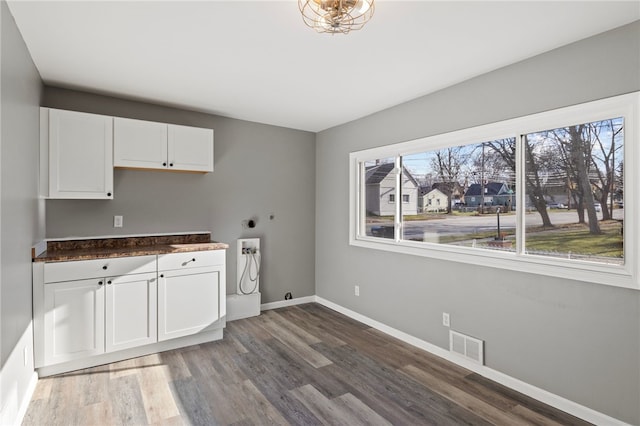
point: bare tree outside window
(466, 196)
(577, 169)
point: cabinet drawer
(194, 259)
(83, 269)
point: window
(542, 193)
(464, 173)
(379, 185)
(570, 174)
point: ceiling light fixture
(336, 16)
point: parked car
(557, 206)
(598, 206)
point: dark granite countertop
(104, 248)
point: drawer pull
(99, 282)
(187, 262)
(105, 267)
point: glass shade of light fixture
(336, 16)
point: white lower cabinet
(95, 311)
(73, 320)
(94, 316)
(130, 317)
(188, 303)
(191, 289)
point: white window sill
(612, 275)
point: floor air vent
(467, 346)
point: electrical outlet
(446, 320)
(117, 221)
(356, 290)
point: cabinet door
(131, 302)
(139, 144)
(190, 148)
(80, 155)
(73, 320)
(188, 302)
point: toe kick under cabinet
(91, 312)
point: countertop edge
(71, 255)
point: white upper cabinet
(190, 148)
(139, 144)
(142, 144)
(77, 155)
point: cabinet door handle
(164, 164)
(161, 275)
(109, 282)
(170, 164)
(99, 282)
(108, 194)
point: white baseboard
(33, 382)
(556, 401)
(290, 302)
(7, 417)
(18, 380)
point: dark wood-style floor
(301, 365)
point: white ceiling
(257, 60)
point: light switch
(117, 221)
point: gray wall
(20, 90)
(577, 340)
(259, 170)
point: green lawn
(575, 238)
(450, 239)
(562, 239)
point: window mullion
(361, 208)
(398, 215)
(521, 199)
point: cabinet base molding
(147, 169)
(181, 342)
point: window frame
(626, 275)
